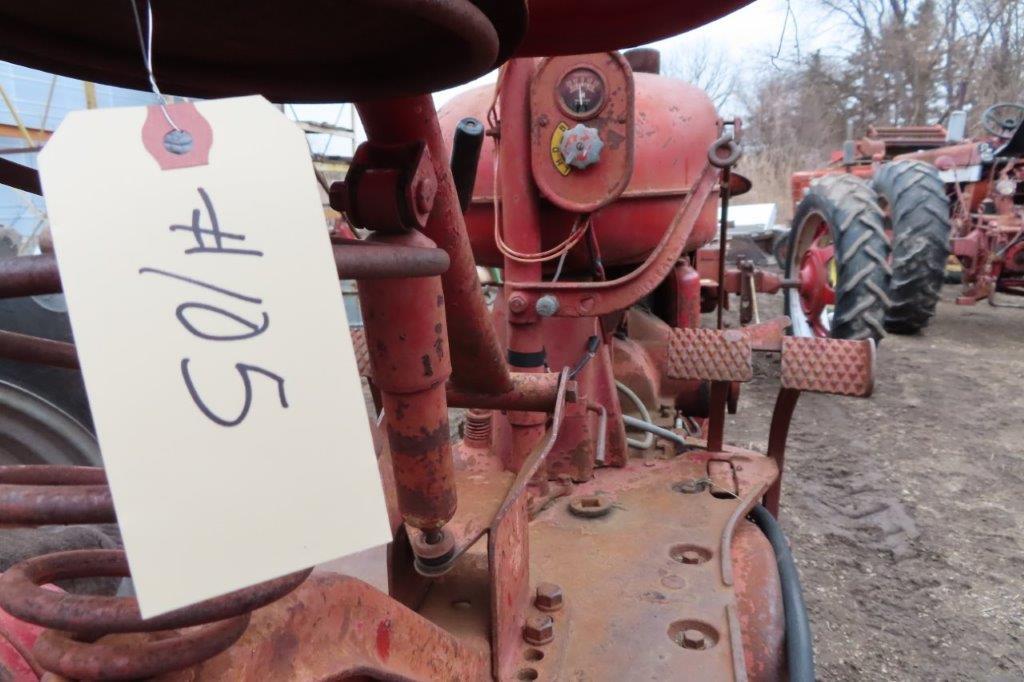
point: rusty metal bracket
(388, 187)
(508, 549)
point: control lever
(469, 138)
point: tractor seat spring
(70, 646)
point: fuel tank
(675, 124)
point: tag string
(146, 45)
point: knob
(581, 146)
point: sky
(747, 37)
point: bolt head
(425, 191)
(539, 630)
(547, 305)
(690, 557)
(693, 639)
(517, 303)
(549, 597)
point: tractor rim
(812, 304)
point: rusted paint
(410, 365)
(222, 619)
(384, 639)
(479, 363)
(41, 495)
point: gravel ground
(906, 510)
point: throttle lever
(469, 138)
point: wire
(146, 45)
(580, 225)
(645, 415)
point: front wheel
(839, 252)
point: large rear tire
(839, 251)
(917, 208)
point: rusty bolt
(425, 190)
(517, 303)
(549, 597)
(693, 639)
(690, 557)
(539, 630)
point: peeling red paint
(384, 640)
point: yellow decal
(556, 153)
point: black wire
(592, 345)
(799, 647)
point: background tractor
(872, 231)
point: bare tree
(705, 65)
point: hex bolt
(549, 597)
(547, 305)
(424, 192)
(539, 630)
(517, 303)
(693, 639)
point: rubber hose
(799, 648)
(651, 428)
(648, 440)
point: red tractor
(871, 232)
(544, 543)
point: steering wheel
(1003, 119)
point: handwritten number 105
(211, 241)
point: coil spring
(477, 427)
(43, 495)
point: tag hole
(178, 142)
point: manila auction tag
(211, 332)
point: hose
(799, 651)
(651, 428)
(648, 440)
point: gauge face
(581, 92)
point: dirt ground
(906, 510)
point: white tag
(219, 367)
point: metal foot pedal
(822, 366)
(829, 366)
(709, 355)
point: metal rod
(726, 176)
(40, 351)
(35, 275)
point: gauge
(581, 92)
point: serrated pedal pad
(362, 353)
(709, 355)
(829, 366)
